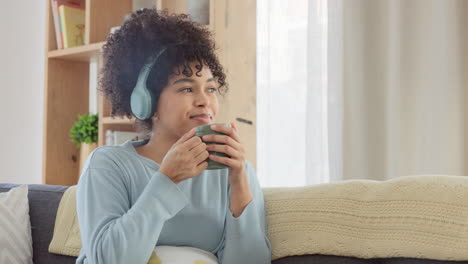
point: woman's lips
(202, 118)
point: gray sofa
(43, 204)
(44, 201)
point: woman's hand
(241, 195)
(233, 148)
(185, 159)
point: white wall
(22, 46)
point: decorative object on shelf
(55, 4)
(84, 133)
(114, 29)
(139, 4)
(199, 11)
(72, 24)
(119, 137)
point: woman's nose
(201, 99)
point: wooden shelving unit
(67, 77)
(67, 86)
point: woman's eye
(212, 90)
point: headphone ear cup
(142, 101)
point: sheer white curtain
(292, 97)
(405, 88)
(361, 89)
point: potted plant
(84, 133)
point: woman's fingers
(201, 167)
(201, 157)
(229, 131)
(192, 143)
(227, 161)
(224, 149)
(187, 136)
(223, 139)
(198, 148)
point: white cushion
(15, 227)
(184, 255)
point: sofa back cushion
(43, 204)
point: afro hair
(142, 34)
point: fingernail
(213, 127)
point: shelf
(82, 53)
(70, 74)
(117, 121)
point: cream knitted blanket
(413, 216)
(66, 239)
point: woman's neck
(156, 148)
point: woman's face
(187, 102)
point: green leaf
(85, 129)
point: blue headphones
(142, 100)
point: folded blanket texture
(424, 216)
(66, 239)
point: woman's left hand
(233, 148)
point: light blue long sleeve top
(126, 207)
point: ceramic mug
(206, 130)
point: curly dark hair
(142, 34)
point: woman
(157, 191)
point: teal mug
(206, 130)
